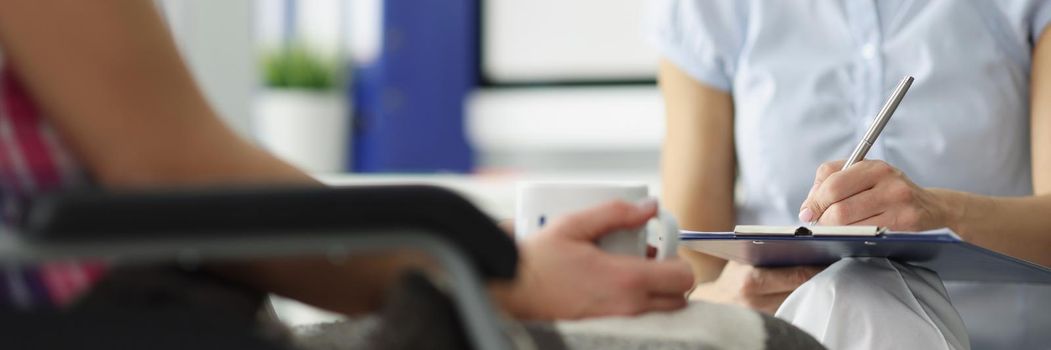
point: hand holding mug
(564, 275)
(539, 203)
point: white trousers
(875, 303)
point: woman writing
(761, 94)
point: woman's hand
(872, 192)
(564, 275)
(762, 289)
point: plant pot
(306, 128)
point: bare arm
(1021, 227)
(697, 164)
(1040, 118)
(699, 170)
(1017, 226)
(109, 78)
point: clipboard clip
(812, 231)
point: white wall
(617, 118)
(321, 24)
(217, 40)
(556, 128)
(566, 40)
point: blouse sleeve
(1041, 19)
(701, 37)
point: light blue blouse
(808, 77)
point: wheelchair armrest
(83, 216)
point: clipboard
(939, 250)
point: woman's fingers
(881, 220)
(764, 281)
(845, 184)
(856, 208)
(823, 172)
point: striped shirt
(33, 160)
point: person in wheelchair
(95, 94)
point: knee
(867, 291)
(859, 278)
(847, 288)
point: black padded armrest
(90, 215)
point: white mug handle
(666, 238)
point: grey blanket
(645, 332)
(419, 316)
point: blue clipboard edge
(952, 258)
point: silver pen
(881, 121)
(877, 126)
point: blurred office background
(471, 94)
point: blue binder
(941, 251)
(409, 103)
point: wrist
(710, 292)
(504, 296)
(954, 207)
(511, 296)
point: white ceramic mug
(538, 203)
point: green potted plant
(301, 114)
